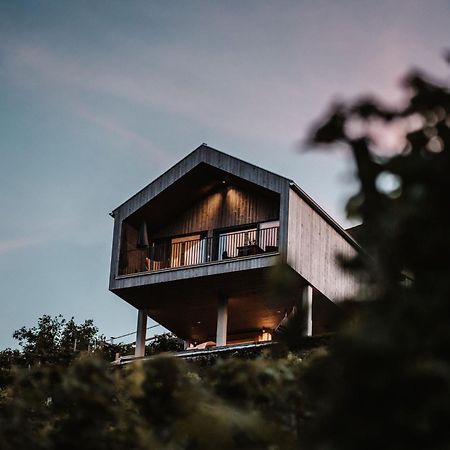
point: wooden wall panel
(231, 206)
(313, 248)
(130, 258)
(115, 248)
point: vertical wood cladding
(313, 248)
(230, 206)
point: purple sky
(97, 98)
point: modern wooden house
(194, 250)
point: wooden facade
(204, 196)
(226, 207)
(314, 246)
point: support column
(307, 301)
(222, 321)
(141, 333)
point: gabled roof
(203, 155)
(205, 158)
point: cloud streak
(10, 245)
(240, 105)
(142, 146)
(224, 90)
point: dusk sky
(98, 98)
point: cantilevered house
(194, 251)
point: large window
(199, 248)
(231, 243)
(268, 235)
(187, 251)
(261, 238)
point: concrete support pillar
(141, 333)
(307, 303)
(222, 321)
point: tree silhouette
(386, 380)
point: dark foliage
(162, 403)
(56, 341)
(386, 381)
(166, 342)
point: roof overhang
(196, 184)
(198, 172)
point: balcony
(200, 248)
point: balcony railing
(192, 252)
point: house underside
(189, 307)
